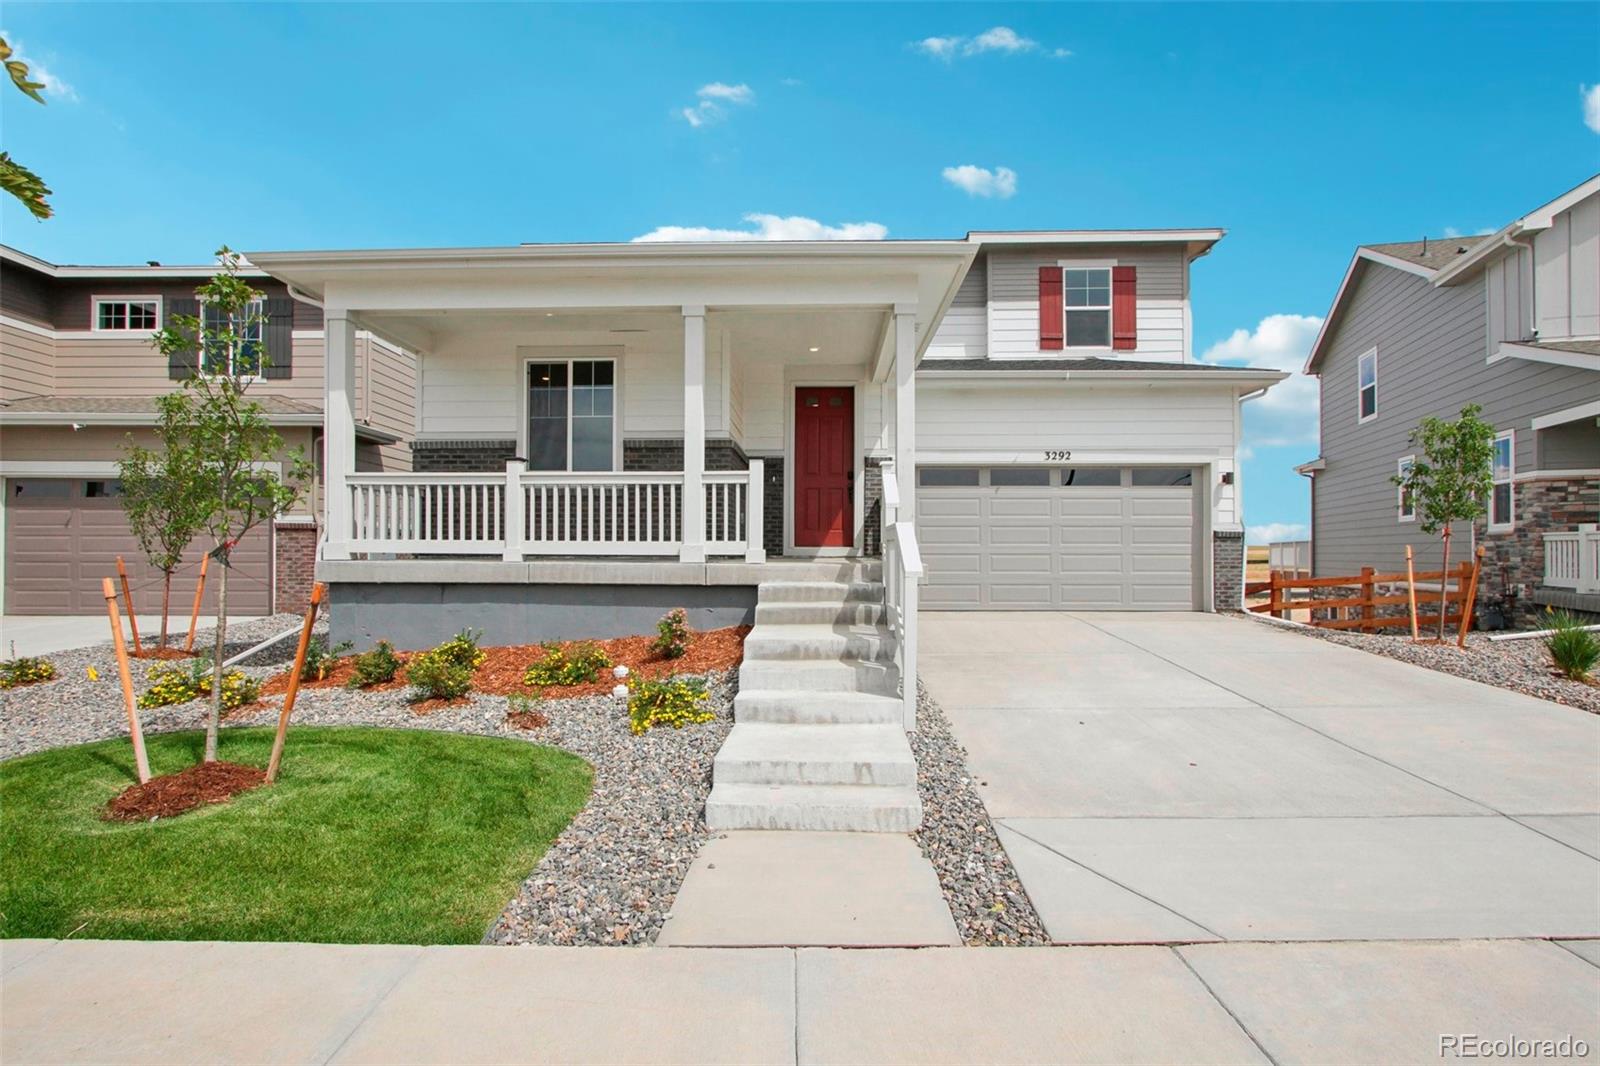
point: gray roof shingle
(1435, 253)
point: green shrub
(437, 677)
(558, 666)
(376, 666)
(25, 670)
(1574, 649)
(462, 650)
(320, 658)
(672, 634)
(174, 684)
(674, 701)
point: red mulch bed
(198, 786)
(501, 673)
(152, 652)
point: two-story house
(1508, 321)
(78, 378)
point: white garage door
(1008, 538)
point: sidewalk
(126, 1001)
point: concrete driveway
(1190, 777)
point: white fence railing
(902, 573)
(1289, 557)
(518, 514)
(1572, 559)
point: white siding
(471, 384)
(963, 332)
(1014, 299)
(1566, 273)
(1023, 420)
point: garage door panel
(1083, 548)
(59, 549)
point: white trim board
(1571, 414)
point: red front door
(824, 467)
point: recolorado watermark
(1473, 1046)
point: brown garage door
(64, 535)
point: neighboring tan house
(1509, 321)
(78, 378)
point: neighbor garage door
(64, 535)
(1010, 538)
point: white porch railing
(902, 573)
(519, 514)
(1572, 559)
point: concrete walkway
(46, 634)
(123, 1001)
(776, 888)
(1190, 777)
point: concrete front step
(824, 808)
(819, 642)
(817, 708)
(765, 754)
(820, 612)
(819, 676)
(815, 591)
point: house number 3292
(1057, 457)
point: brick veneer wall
(1227, 569)
(461, 456)
(872, 503)
(667, 454)
(294, 565)
(773, 501)
(1516, 557)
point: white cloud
(1591, 106)
(1001, 182)
(53, 86)
(1001, 39)
(713, 100)
(1287, 414)
(771, 228)
(1272, 531)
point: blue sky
(1301, 129)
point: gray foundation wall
(414, 616)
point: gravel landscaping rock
(985, 896)
(1520, 665)
(611, 876)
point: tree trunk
(215, 715)
(166, 599)
(1444, 584)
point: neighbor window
(121, 314)
(240, 357)
(572, 415)
(1367, 386)
(1501, 506)
(1405, 502)
(1086, 296)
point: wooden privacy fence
(1359, 611)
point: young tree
(224, 435)
(163, 493)
(1451, 480)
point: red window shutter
(1124, 308)
(1050, 321)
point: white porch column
(338, 430)
(693, 548)
(905, 404)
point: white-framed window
(1086, 305)
(126, 314)
(241, 359)
(1502, 500)
(1405, 503)
(1367, 386)
(571, 414)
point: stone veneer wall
(1227, 569)
(1516, 558)
(294, 565)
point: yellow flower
(94, 675)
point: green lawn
(370, 835)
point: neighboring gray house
(1509, 321)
